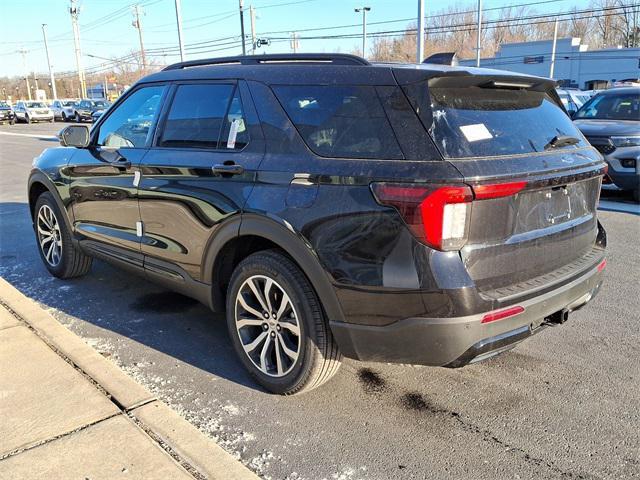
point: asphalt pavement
(564, 404)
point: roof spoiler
(443, 58)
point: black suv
(420, 214)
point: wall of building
(575, 65)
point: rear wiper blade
(561, 141)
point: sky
(106, 29)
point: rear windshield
(483, 122)
(340, 121)
(612, 106)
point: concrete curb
(174, 434)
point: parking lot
(562, 405)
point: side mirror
(74, 136)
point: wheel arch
(40, 183)
(256, 233)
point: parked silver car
(63, 108)
(33, 111)
(611, 123)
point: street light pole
(420, 53)
(179, 22)
(479, 37)
(51, 77)
(244, 47)
(364, 11)
(26, 71)
(252, 14)
(553, 49)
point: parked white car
(573, 99)
(33, 111)
(63, 108)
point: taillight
(436, 215)
(439, 215)
(497, 190)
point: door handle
(232, 169)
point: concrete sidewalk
(66, 412)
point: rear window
(340, 121)
(484, 122)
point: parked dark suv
(421, 214)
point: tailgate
(544, 233)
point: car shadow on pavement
(114, 300)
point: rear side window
(340, 121)
(484, 122)
(205, 116)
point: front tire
(58, 253)
(77, 118)
(64, 117)
(277, 325)
(27, 119)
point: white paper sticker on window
(233, 133)
(476, 132)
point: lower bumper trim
(493, 346)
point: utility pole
(295, 44)
(420, 53)
(479, 37)
(244, 48)
(252, 14)
(364, 11)
(137, 24)
(74, 10)
(553, 49)
(26, 71)
(54, 92)
(179, 22)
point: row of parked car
(65, 110)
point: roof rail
(333, 58)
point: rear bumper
(458, 341)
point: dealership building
(575, 66)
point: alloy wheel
(49, 235)
(268, 325)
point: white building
(575, 66)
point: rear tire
(64, 117)
(57, 251)
(636, 195)
(278, 358)
(77, 118)
(27, 119)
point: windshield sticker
(476, 132)
(233, 133)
